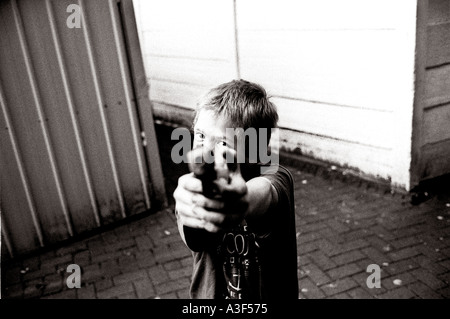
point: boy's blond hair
(243, 103)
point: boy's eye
(200, 135)
(223, 143)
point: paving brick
(145, 259)
(391, 282)
(127, 295)
(33, 288)
(90, 273)
(423, 291)
(96, 246)
(381, 232)
(37, 274)
(444, 277)
(171, 286)
(163, 254)
(431, 252)
(53, 283)
(31, 263)
(344, 271)
(431, 266)
(180, 273)
(129, 277)
(308, 237)
(71, 249)
(361, 280)
(401, 266)
(445, 263)
(354, 234)
(172, 265)
(86, 292)
(179, 249)
(309, 290)
(116, 291)
(354, 244)
(446, 251)
(144, 288)
(338, 286)
(109, 237)
(183, 293)
(316, 274)
(398, 293)
(158, 274)
(359, 293)
(144, 243)
(170, 295)
(127, 262)
(105, 256)
(377, 256)
(103, 284)
(348, 257)
(82, 258)
(323, 261)
(404, 253)
(109, 268)
(409, 241)
(341, 295)
(303, 260)
(186, 261)
(12, 291)
(122, 232)
(444, 292)
(311, 227)
(66, 294)
(120, 245)
(379, 243)
(428, 278)
(44, 269)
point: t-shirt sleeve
(283, 183)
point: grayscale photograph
(262, 151)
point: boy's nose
(209, 146)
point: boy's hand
(213, 215)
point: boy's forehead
(209, 120)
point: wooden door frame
(416, 168)
(140, 87)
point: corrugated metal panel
(71, 151)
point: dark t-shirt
(278, 251)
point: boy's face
(210, 130)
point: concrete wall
(340, 72)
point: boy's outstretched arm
(261, 197)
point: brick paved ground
(343, 225)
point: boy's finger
(183, 196)
(200, 200)
(212, 228)
(186, 210)
(189, 182)
(220, 220)
(192, 222)
(209, 216)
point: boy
(243, 240)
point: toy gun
(209, 168)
